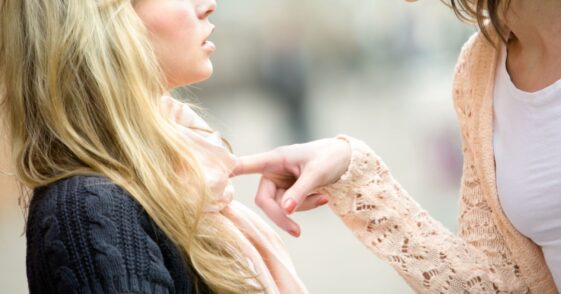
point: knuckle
(278, 151)
(259, 201)
(315, 171)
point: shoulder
(85, 231)
(473, 44)
(475, 62)
(82, 203)
(80, 198)
(476, 52)
(474, 74)
(79, 188)
(78, 201)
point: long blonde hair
(80, 85)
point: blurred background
(294, 71)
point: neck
(535, 25)
(534, 47)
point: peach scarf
(264, 248)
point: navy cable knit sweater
(85, 234)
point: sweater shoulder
(79, 188)
(83, 198)
(474, 65)
(85, 232)
(474, 77)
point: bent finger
(265, 200)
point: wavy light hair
(480, 11)
(81, 84)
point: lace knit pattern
(87, 235)
(391, 224)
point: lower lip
(209, 46)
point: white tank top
(527, 147)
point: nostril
(207, 9)
(211, 10)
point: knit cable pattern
(87, 235)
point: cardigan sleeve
(88, 238)
(388, 221)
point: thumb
(297, 193)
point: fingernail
(289, 205)
(294, 232)
(322, 201)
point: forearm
(395, 228)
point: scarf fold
(263, 247)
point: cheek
(177, 37)
(175, 27)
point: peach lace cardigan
(488, 255)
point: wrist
(343, 147)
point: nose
(206, 8)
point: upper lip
(210, 33)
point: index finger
(253, 164)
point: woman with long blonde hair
(129, 188)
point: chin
(207, 72)
(202, 74)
